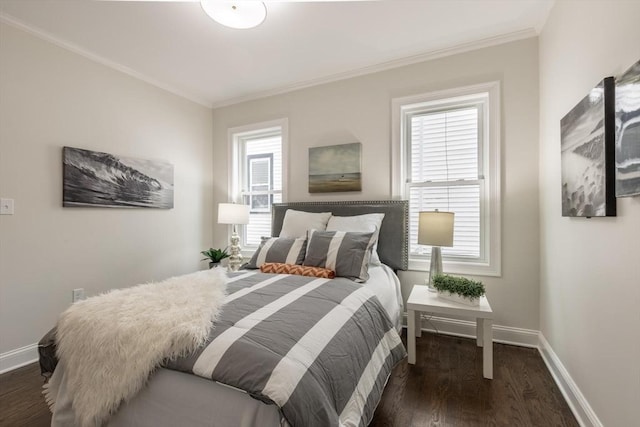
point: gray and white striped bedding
(320, 349)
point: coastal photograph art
(335, 168)
(96, 179)
(628, 132)
(587, 151)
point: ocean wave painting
(96, 179)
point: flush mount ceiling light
(235, 14)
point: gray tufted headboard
(393, 240)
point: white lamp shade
(235, 14)
(231, 213)
(435, 228)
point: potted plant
(459, 289)
(214, 256)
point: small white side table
(421, 300)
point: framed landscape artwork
(96, 179)
(587, 153)
(628, 132)
(335, 168)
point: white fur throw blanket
(109, 344)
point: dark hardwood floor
(21, 400)
(444, 388)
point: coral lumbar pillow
(300, 270)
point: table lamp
(234, 214)
(435, 229)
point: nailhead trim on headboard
(395, 252)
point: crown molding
(544, 17)
(383, 66)
(41, 34)
(396, 63)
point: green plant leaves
(215, 255)
(459, 285)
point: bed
(172, 396)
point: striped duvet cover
(320, 349)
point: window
(260, 182)
(446, 157)
(258, 166)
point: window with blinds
(444, 175)
(258, 178)
(446, 156)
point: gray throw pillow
(279, 249)
(346, 253)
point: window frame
(236, 136)
(489, 168)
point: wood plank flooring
(444, 388)
(21, 400)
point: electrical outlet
(77, 294)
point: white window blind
(444, 175)
(258, 171)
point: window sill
(453, 267)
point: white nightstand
(421, 300)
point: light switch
(6, 206)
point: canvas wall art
(335, 168)
(92, 178)
(587, 153)
(628, 132)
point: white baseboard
(575, 399)
(18, 358)
(466, 328)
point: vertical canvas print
(587, 153)
(92, 178)
(335, 168)
(628, 132)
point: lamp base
(435, 267)
(235, 252)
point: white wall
(49, 98)
(359, 109)
(590, 268)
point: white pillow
(296, 223)
(359, 223)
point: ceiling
(176, 46)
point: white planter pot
(459, 298)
